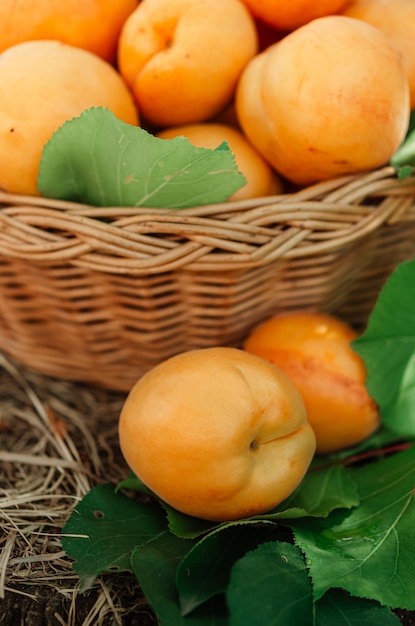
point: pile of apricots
(301, 91)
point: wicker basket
(101, 295)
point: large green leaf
(270, 586)
(368, 551)
(319, 493)
(100, 160)
(104, 529)
(154, 565)
(204, 571)
(388, 349)
(338, 608)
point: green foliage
(270, 587)
(204, 572)
(337, 552)
(338, 608)
(104, 529)
(388, 349)
(368, 551)
(319, 493)
(404, 158)
(99, 160)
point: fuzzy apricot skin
(261, 180)
(42, 85)
(92, 25)
(182, 59)
(396, 18)
(330, 98)
(314, 350)
(287, 16)
(217, 433)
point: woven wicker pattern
(101, 295)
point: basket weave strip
(103, 294)
(159, 240)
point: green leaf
(186, 526)
(100, 160)
(155, 565)
(270, 587)
(180, 524)
(387, 347)
(205, 570)
(403, 159)
(133, 483)
(319, 493)
(338, 608)
(104, 529)
(368, 551)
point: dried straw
(57, 440)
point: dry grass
(57, 440)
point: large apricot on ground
(314, 350)
(93, 25)
(217, 433)
(42, 85)
(261, 179)
(330, 98)
(182, 59)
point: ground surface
(57, 440)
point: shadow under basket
(101, 295)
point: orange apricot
(288, 16)
(261, 178)
(330, 98)
(314, 350)
(182, 59)
(93, 25)
(42, 85)
(396, 18)
(217, 433)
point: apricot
(330, 98)
(217, 433)
(182, 59)
(288, 16)
(261, 178)
(93, 25)
(396, 18)
(314, 350)
(42, 85)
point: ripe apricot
(314, 350)
(93, 25)
(43, 84)
(217, 433)
(182, 59)
(287, 16)
(328, 99)
(261, 178)
(396, 18)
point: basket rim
(234, 235)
